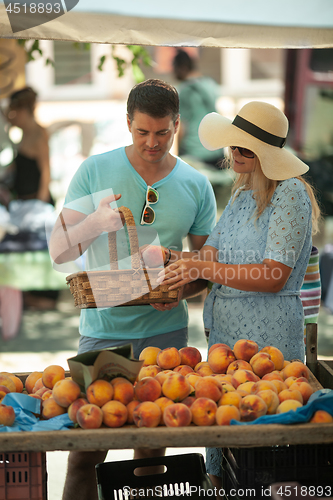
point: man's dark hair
(154, 98)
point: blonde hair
(264, 188)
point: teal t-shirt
(186, 205)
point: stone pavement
(51, 337)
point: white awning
(208, 23)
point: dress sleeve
(289, 222)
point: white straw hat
(260, 127)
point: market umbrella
(212, 23)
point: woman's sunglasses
(247, 153)
(148, 214)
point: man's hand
(106, 218)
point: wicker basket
(120, 287)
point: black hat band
(258, 132)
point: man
(185, 206)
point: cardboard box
(104, 364)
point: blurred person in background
(30, 170)
(28, 176)
(197, 98)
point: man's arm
(74, 231)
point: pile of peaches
(175, 388)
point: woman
(31, 167)
(257, 255)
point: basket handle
(133, 240)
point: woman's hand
(179, 273)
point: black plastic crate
(183, 476)
(245, 469)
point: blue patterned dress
(282, 233)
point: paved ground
(51, 337)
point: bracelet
(169, 257)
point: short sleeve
(289, 222)
(205, 219)
(78, 196)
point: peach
(31, 380)
(46, 394)
(168, 358)
(99, 392)
(176, 387)
(203, 411)
(290, 394)
(245, 388)
(177, 415)
(147, 389)
(162, 403)
(238, 364)
(17, 381)
(321, 417)
(190, 356)
(116, 380)
(130, 409)
(114, 413)
(123, 392)
(50, 408)
(226, 413)
(161, 376)
(147, 414)
(3, 391)
(220, 358)
(8, 382)
(261, 363)
(38, 385)
(287, 405)
(227, 387)
(52, 374)
(214, 346)
(271, 399)
(153, 256)
(252, 407)
(274, 375)
(304, 388)
(65, 392)
(263, 385)
(193, 378)
(183, 369)
(42, 391)
(208, 387)
(280, 386)
(149, 371)
(276, 356)
(188, 401)
(7, 415)
(223, 378)
(296, 369)
(148, 355)
(285, 363)
(241, 376)
(289, 381)
(89, 416)
(244, 349)
(74, 407)
(230, 398)
(203, 369)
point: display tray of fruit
(177, 400)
